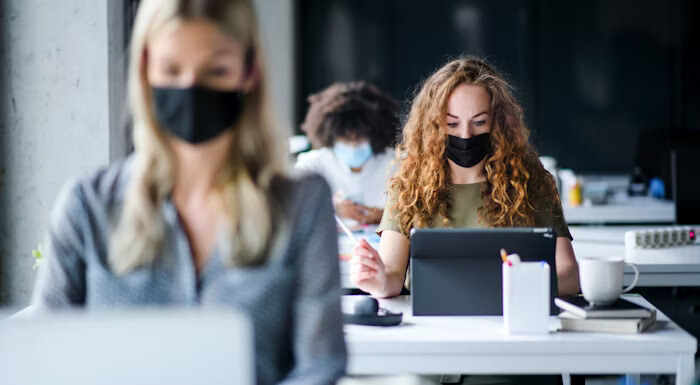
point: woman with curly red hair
(465, 161)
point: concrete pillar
(54, 119)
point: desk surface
(478, 345)
(658, 267)
(610, 241)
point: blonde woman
(203, 212)
(465, 162)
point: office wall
(54, 119)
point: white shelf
(631, 210)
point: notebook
(579, 307)
(612, 325)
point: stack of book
(620, 317)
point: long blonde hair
(515, 178)
(258, 154)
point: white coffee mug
(602, 278)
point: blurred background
(607, 85)
(593, 76)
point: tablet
(458, 271)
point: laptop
(174, 347)
(458, 271)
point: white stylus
(345, 228)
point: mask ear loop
(249, 61)
(251, 72)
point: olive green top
(466, 200)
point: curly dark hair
(352, 110)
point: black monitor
(685, 165)
(458, 271)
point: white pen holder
(526, 298)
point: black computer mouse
(367, 306)
(367, 312)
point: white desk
(478, 345)
(662, 267)
(631, 210)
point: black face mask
(196, 114)
(468, 152)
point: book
(571, 322)
(578, 306)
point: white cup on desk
(602, 278)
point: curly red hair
(514, 175)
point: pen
(504, 257)
(345, 228)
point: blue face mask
(353, 156)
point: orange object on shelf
(575, 196)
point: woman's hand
(371, 215)
(367, 270)
(346, 208)
(350, 209)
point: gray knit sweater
(293, 299)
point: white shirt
(368, 186)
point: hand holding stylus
(367, 270)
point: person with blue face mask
(352, 127)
